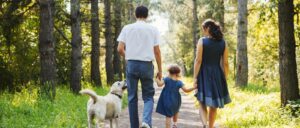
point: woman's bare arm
(198, 60)
(225, 62)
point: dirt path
(188, 116)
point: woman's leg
(203, 113)
(175, 118)
(168, 122)
(212, 116)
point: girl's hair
(214, 29)
(174, 70)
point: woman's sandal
(206, 126)
(174, 126)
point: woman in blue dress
(210, 72)
(170, 99)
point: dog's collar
(118, 95)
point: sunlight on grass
(26, 96)
(254, 106)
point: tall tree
(76, 58)
(221, 13)
(195, 26)
(130, 11)
(47, 48)
(287, 58)
(95, 53)
(130, 19)
(118, 24)
(109, 44)
(242, 58)
(215, 9)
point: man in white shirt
(139, 44)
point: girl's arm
(159, 82)
(198, 60)
(187, 89)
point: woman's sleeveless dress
(212, 85)
(170, 99)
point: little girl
(170, 99)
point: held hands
(159, 75)
(195, 85)
(159, 81)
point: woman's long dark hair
(214, 29)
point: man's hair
(141, 12)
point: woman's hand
(195, 83)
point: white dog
(105, 107)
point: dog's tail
(91, 93)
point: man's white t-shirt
(140, 39)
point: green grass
(25, 109)
(252, 107)
(256, 107)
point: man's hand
(158, 61)
(159, 75)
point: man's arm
(121, 48)
(158, 61)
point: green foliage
(293, 108)
(18, 29)
(26, 109)
(263, 44)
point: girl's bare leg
(212, 116)
(203, 113)
(168, 122)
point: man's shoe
(145, 125)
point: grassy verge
(255, 106)
(24, 109)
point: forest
(51, 49)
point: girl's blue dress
(212, 85)
(170, 99)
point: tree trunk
(242, 58)
(131, 16)
(109, 44)
(287, 58)
(118, 24)
(95, 53)
(195, 26)
(215, 10)
(47, 49)
(131, 19)
(76, 58)
(221, 13)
